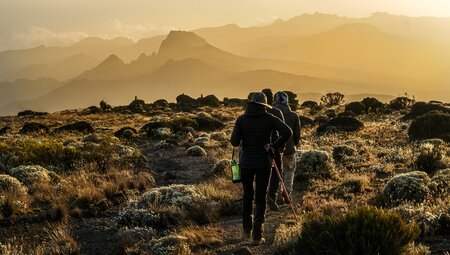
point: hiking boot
(272, 204)
(258, 241)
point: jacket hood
(253, 109)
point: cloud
(137, 31)
(35, 36)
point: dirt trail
(233, 230)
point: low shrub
(168, 245)
(372, 105)
(401, 103)
(342, 151)
(407, 187)
(196, 151)
(421, 108)
(314, 164)
(364, 230)
(429, 158)
(357, 108)
(434, 124)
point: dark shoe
(272, 204)
(258, 241)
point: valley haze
(310, 54)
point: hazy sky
(28, 23)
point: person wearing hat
(252, 131)
(281, 101)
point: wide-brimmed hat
(260, 98)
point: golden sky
(27, 23)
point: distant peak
(178, 41)
(357, 27)
(112, 60)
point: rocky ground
(153, 180)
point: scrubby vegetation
(377, 232)
(155, 178)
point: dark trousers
(274, 180)
(261, 178)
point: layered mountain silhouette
(309, 53)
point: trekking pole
(284, 189)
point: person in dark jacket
(293, 121)
(274, 183)
(252, 131)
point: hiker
(293, 121)
(252, 131)
(274, 182)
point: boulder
(34, 127)
(346, 124)
(80, 127)
(407, 187)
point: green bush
(365, 230)
(46, 152)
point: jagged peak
(179, 41)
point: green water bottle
(235, 171)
